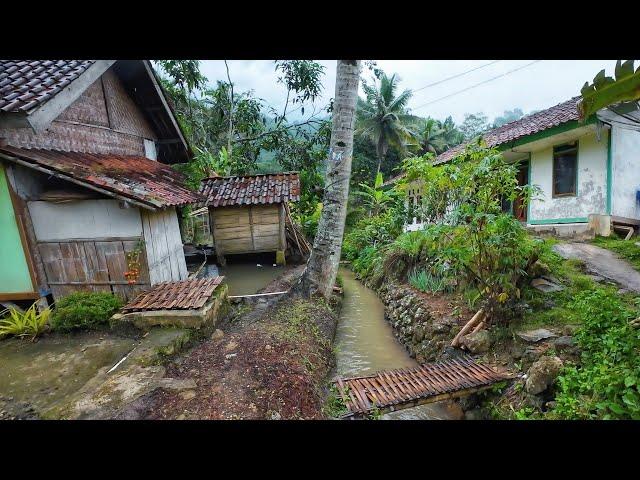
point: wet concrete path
(605, 263)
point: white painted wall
(84, 219)
(592, 182)
(165, 255)
(625, 159)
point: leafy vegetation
(425, 281)
(334, 406)
(376, 199)
(606, 384)
(84, 310)
(605, 91)
(29, 323)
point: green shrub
(368, 265)
(23, 324)
(84, 310)
(606, 385)
(375, 231)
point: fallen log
(477, 318)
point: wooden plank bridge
(391, 390)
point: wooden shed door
(15, 277)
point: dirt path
(602, 262)
(270, 363)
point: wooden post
(212, 225)
(282, 237)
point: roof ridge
(220, 177)
(533, 113)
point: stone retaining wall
(425, 337)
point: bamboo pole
(477, 318)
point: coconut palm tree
(430, 136)
(382, 116)
(320, 273)
(452, 135)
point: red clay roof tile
(528, 125)
(262, 189)
(26, 84)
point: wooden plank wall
(165, 255)
(91, 264)
(254, 228)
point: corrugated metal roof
(138, 178)
(27, 84)
(263, 189)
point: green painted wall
(14, 271)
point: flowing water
(365, 344)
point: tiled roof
(149, 182)
(27, 84)
(528, 125)
(251, 189)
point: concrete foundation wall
(591, 194)
(625, 159)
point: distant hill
(266, 160)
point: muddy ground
(270, 361)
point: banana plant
(605, 91)
(375, 198)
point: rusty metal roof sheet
(138, 178)
(26, 84)
(263, 189)
(396, 389)
(182, 295)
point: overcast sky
(531, 86)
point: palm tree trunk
(322, 268)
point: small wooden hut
(248, 213)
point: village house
(588, 172)
(87, 198)
(248, 213)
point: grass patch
(296, 322)
(556, 309)
(627, 249)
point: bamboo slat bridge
(391, 390)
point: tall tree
(452, 134)
(382, 116)
(507, 117)
(430, 136)
(474, 124)
(320, 274)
